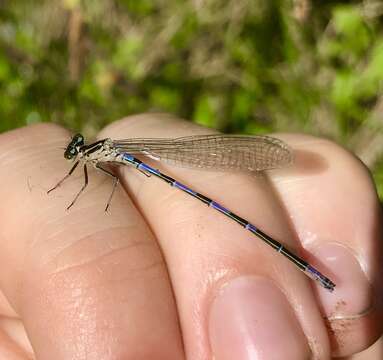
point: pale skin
(156, 277)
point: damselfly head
(74, 146)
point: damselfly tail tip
(327, 283)
(320, 278)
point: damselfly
(220, 152)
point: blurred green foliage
(249, 66)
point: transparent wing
(220, 152)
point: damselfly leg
(65, 177)
(116, 180)
(82, 189)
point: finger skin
(87, 284)
(205, 247)
(14, 343)
(374, 352)
(331, 199)
(204, 250)
(206, 258)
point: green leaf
(5, 69)
(166, 99)
(204, 112)
(33, 117)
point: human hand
(160, 276)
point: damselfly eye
(70, 152)
(78, 140)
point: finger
(374, 352)
(6, 309)
(236, 297)
(14, 344)
(333, 206)
(87, 284)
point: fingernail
(251, 319)
(353, 293)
